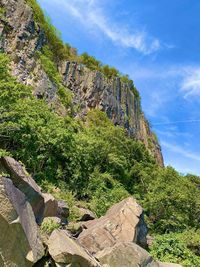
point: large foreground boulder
(25, 183)
(123, 222)
(20, 244)
(126, 255)
(66, 252)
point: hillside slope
(23, 38)
(77, 126)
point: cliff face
(22, 37)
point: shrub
(49, 225)
(104, 191)
(170, 248)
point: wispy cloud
(94, 16)
(181, 151)
(191, 83)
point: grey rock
(63, 211)
(25, 183)
(67, 252)
(20, 243)
(123, 222)
(51, 206)
(85, 214)
(126, 255)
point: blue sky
(158, 44)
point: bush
(49, 67)
(49, 225)
(60, 51)
(104, 191)
(81, 154)
(170, 248)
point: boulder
(25, 183)
(126, 255)
(123, 222)
(165, 264)
(67, 252)
(51, 206)
(85, 214)
(20, 243)
(63, 211)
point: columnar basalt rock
(93, 90)
(126, 255)
(25, 183)
(123, 222)
(20, 244)
(67, 252)
(22, 37)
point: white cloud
(191, 82)
(180, 150)
(93, 16)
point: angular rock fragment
(126, 255)
(51, 206)
(25, 183)
(86, 214)
(20, 243)
(123, 222)
(67, 252)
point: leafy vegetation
(49, 225)
(46, 59)
(93, 161)
(175, 248)
(61, 51)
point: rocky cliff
(22, 37)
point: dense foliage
(93, 161)
(182, 248)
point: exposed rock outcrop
(51, 206)
(123, 222)
(93, 90)
(63, 211)
(126, 255)
(25, 183)
(20, 244)
(22, 37)
(66, 252)
(85, 214)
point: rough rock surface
(20, 244)
(63, 211)
(123, 222)
(85, 214)
(91, 88)
(126, 255)
(66, 252)
(51, 206)
(25, 183)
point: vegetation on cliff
(92, 160)
(62, 51)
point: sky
(158, 44)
